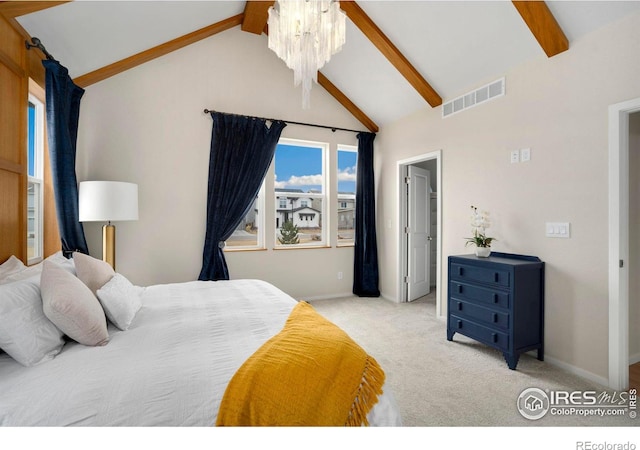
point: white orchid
(479, 223)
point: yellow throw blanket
(310, 374)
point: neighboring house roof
(305, 208)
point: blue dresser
(498, 301)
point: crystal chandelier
(305, 34)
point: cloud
(304, 180)
(347, 174)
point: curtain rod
(35, 42)
(333, 129)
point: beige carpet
(440, 383)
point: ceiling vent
(474, 98)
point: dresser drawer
(480, 333)
(486, 275)
(479, 294)
(491, 317)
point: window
(346, 179)
(35, 145)
(300, 193)
(248, 234)
(300, 200)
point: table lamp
(107, 201)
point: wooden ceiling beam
(390, 51)
(348, 104)
(543, 26)
(256, 14)
(14, 9)
(155, 52)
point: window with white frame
(300, 193)
(301, 200)
(35, 185)
(346, 179)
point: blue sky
(301, 167)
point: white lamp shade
(107, 201)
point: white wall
(634, 237)
(558, 108)
(147, 126)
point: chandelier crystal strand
(305, 34)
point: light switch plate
(558, 229)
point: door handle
(429, 238)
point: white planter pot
(483, 252)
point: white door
(418, 233)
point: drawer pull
(494, 337)
(459, 323)
(460, 271)
(495, 298)
(496, 276)
(495, 318)
(459, 289)
(459, 306)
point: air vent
(474, 98)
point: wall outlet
(515, 156)
(339, 275)
(525, 154)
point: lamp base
(109, 245)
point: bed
(170, 367)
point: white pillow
(120, 300)
(25, 332)
(66, 263)
(71, 306)
(93, 272)
(11, 266)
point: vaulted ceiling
(399, 56)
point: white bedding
(170, 368)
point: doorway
(620, 138)
(420, 230)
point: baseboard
(327, 297)
(634, 358)
(574, 370)
(389, 298)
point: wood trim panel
(390, 51)
(155, 52)
(21, 8)
(256, 15)
(11, 166)
(348, 104)
(11, 65)
(543, 26)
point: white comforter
(170, 368)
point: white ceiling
(455, 45)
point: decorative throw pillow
(11, 266)
(25, 332)
(120, 300)
(72, 307)
(93, 272)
